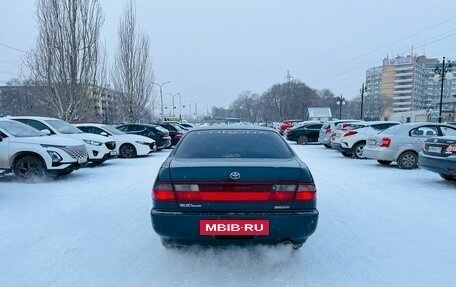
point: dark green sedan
(233, 185)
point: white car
(30, 153)
(98, 147)
(128, 145)
(352, 140)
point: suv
(353, 140)
(98, 147)
(175, 133)
(30, 154)
(304, 133)
(328, 128)
(288, 124)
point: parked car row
(429, 145)
(34, 147)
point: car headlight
(54, 156)
(92, 142)
(144, 143)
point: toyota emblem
(235, 175)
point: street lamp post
(174, 107)
(440, 75)
(362, 91)
(340, 102)
(196, 107)
(162, 109)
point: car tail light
(385, 142)
(163, 192)
(328, 131)
(245, 192)
(350, 133)
(306, 192)
(451, 149)
(178, 136)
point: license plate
(234, 227)
(112, 153)
(371, 142)
(435, 149)
(82, 160)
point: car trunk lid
(236, 184)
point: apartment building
(406, 83)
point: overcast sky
(213, 50)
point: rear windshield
(233, 144)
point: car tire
(327, 145)
(127, 151)
(296, 246)
(407, 160)
(302, 140)
(29, 167)
(346, 154)
(358, 150)
(155, 148)
(447, 177)
(384, 162)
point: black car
(157, 133)
(174, 132)
(218, 186)
(439, 155)
(304, 133)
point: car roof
(144, 125)
(90, 124)
(33, 118)
(232, 127)
(376, 122)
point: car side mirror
(46, 132)
(105, 134)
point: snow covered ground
(379, 226)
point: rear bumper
(438, 164)
(324, 139)
(184, 227)
(340, 147)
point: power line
(12, 48)
(387, 45)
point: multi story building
(373, 101)
(27, 100)
(405, 84)
(403, 81)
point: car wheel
(358, 150)
(407, 160)
(296, 246)
(127, 151)
(302, 140)
(447, 177)
(155, 149)
(29, 167)
(384, 162)
(347, 154)
(327, 145)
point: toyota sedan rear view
(233, 185)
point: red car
(288, 124)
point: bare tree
(132, 73)
(67, 62)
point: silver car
(402, 143)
